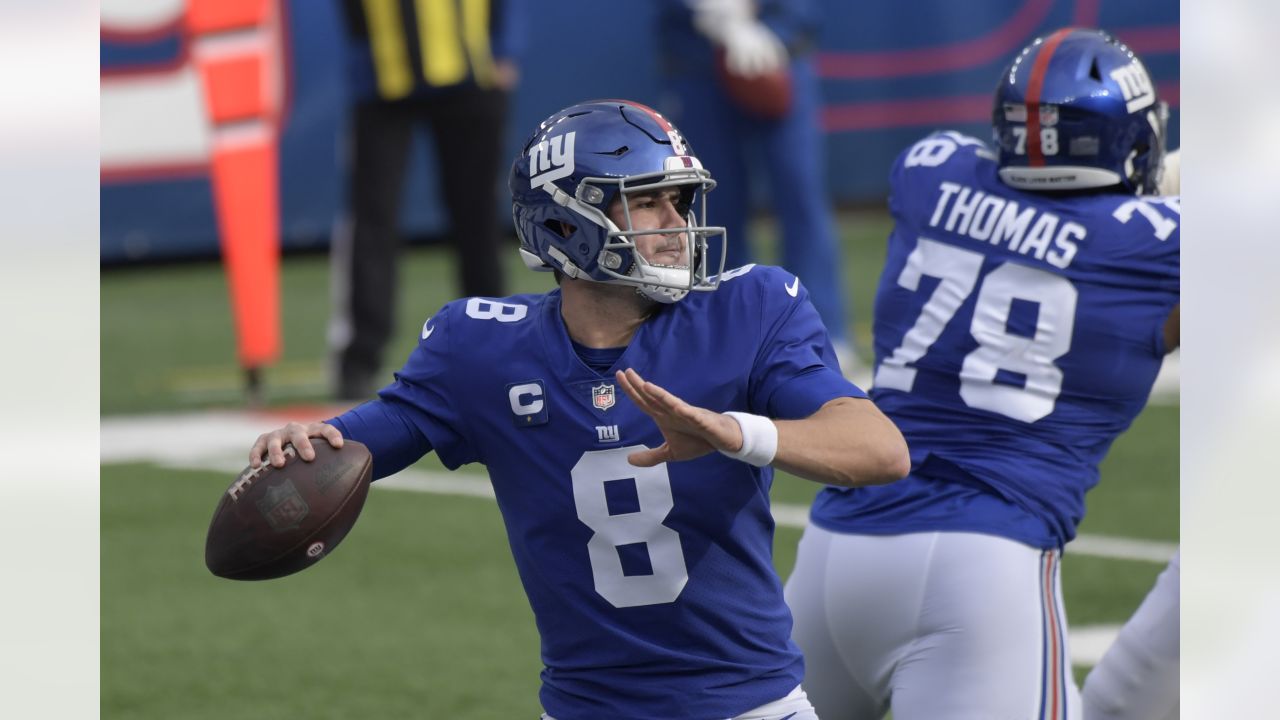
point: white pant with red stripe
(935, 626)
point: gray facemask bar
(693, 278)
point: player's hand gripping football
(272, 444)
(690, 432)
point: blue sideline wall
(891, 72)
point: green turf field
(168, 342)
(420, 612)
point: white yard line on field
(216, 441)
(784, 514)
(219, 441)
(1087, 642)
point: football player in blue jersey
(629, 421)
(1028, 297)
(1137, 678)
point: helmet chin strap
(664, 295)
(658, 293)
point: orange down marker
(237, 49)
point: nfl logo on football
(283, 506)
(602, 397)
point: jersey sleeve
(1135, 259)
(915, 173)
(795, 372)
(423, 395)
(898, 185)
(1150, 244)
(393, 439)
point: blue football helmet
(1076, 109)
(582, 159)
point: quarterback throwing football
(629, 421)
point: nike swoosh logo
(793, 288)
(426, 331)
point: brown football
(273, 522)
(766, 96)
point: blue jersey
(1016, 336)
(653, 588)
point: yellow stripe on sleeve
(442, 60)
(386, 40)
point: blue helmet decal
(582, 160)
(1077, 109)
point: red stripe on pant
(1054, 690)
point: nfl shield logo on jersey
(602, 396)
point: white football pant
(935, 626)
(1138, 676)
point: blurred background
(888, 77)
(420, 613)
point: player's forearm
(847, 442)
(392, 438)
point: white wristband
(759, 439)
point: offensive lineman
(1137, 678)
(1027, 300)
(645, 554)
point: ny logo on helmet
(551, 160)
(1135, 84)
